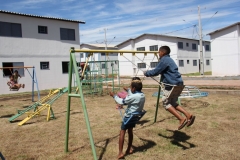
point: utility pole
(200, 42)
(105, 40)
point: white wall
(225, 52)
(176, 54)
(32, 48)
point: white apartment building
(225, 44)
(42, 42)
(184, 51)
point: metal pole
(69, 99)
(105, 40)
(84, 107)
(159, 92)
(200, 42)
(33, 86)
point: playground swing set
(33, 77)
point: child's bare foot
(120, 156)
(23, 85)
(129, 151)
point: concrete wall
(225, 52)
(33, 48)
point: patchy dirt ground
(214, 135)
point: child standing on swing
(170, 75)
(135, 101)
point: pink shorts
(122, 94)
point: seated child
(15, 76)
(135, 101)
(123, 94)
(14, 85)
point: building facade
(42, 42)
(184, 51)
(225, 44)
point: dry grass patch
(214, 135)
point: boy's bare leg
(176, 114)
(182, 110)
(130, 140)
(121, 143)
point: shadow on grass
(147, 144)
(7, 116)
(179, 137)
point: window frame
(42, 29)
(207, 62)
(181, 64)
(141, 65)
(207, 47)
(194, 44)
(65, 34)
(48, 65)
(141, 49)
(195, 62)
(153, 48)
(9, 72)
(180, 44)
(153, 66)
(9, 27)
(64, 69)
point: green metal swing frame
(79, 94)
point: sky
(125, 19)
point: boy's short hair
(165, 49)
(16, 71)
(136, 78)
(137, 84)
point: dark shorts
(125, 127)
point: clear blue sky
(126, 19)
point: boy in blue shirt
(135, 101)
(170, 75)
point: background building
(184, 51)
(43, 42)
(225, 44)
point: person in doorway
(170, 75)
(135, 101)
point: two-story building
(184, 51)
(42, 42)
(225, 44)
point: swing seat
(135, 117)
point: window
(8, 72)
(42, 29)
(10, 29)
(153, 48)
(141, 65)
(187, 44)
(181, 63)
(207, 48)
(103, 66)
(141, 49)
(65, 67)
(81, 55)
(194, 46)
(102, 54)
(207, 62)
(67, 34)
(180, 45)
(153, 64)
(194, 62)
(44, 65)
(187, 61)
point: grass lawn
(214, 135)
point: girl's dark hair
(136, 78)
(16, 71)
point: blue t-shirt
(168, 70)
(135, 102)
